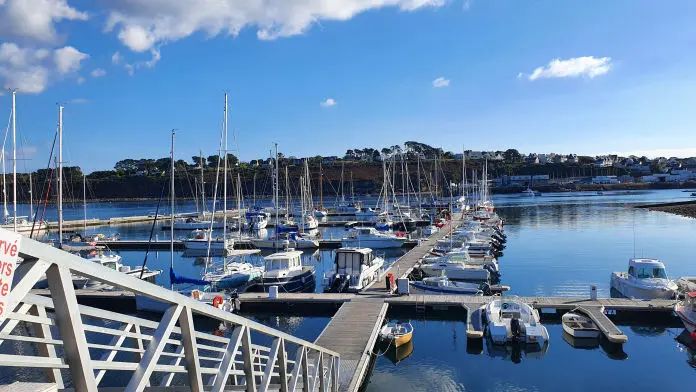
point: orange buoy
(217, 301)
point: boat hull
(304, 282)
(445, 290)
(629, 290)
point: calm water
(558, 245)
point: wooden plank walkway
(608, 328)
(352, 332)
(405, 264)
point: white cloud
(80, 80)
(588, 66)
(520, 75)
(467, 5)
(116, 58)
(130, 69)
(98, 73)
(142, 24)
(78, 100)
(35, 19)
(68, 59)
(441, 82)
(30, 70)
(328, 103)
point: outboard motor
(339, 284)
(515, 329)
(486, 289)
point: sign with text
(9, 253)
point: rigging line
(152, 230)
(47, 180)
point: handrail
(208, 359)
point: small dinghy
(397, 333)
(579, 326)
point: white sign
(9, 254)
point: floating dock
(179, 244)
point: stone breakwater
(685, 208)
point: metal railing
(80, 346)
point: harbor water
(558, 245)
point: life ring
(217, 301)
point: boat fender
(217, 301)
(196, 294)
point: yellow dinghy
(397, 333)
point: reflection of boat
(645, 279)
(581, 343)
(511, 320)
(397, 354)
(397, 333)
(579, 326)
(686, 311)
(689, 343)
(514, 351)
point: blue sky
(623, 80)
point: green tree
(232, 160)
(512, 156)
(213, 160)
(198, 161)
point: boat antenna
(171, 212)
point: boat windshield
(646, 273)
(110, 264)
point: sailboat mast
(239, 205)
(277, 174)
(254, 188)
(60, 175)
(14, 158)
(84, 203)
(31, 198)
(302, 203)
(202, 184)
(224, 177)
(4, 184)
(287, 194)
(321, 188)
(420, 199)
(171, 207)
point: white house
(605, 180)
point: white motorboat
(201, 239)
(230, 275)
(355, 269)
(441, 284)
(321, 213)
(579, 326)
(113, 261)
(489, 263)
(370, 238)
(303, 241)
(257, 220)
(344, 208)
(457, 271)
(686, 311)
(531, 192)
(511, 320)
(645, 279)
(272, 242)
(285, 270)
(24, 225)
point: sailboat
(343, 207)
(19, 224)
(203, 220)
(321, 212)
(287, 225)
(308, 221)
(203, 239)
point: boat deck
(353, 332)
(402, 267)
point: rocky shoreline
(686, 208)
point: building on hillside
(605, 180)
(327, 160)
(559, 158)
(626, 179)
(651, 178)
(639, 169)
(531, 159)
(572, 158)
(493, 156)
(604, 162)
(475, 155)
